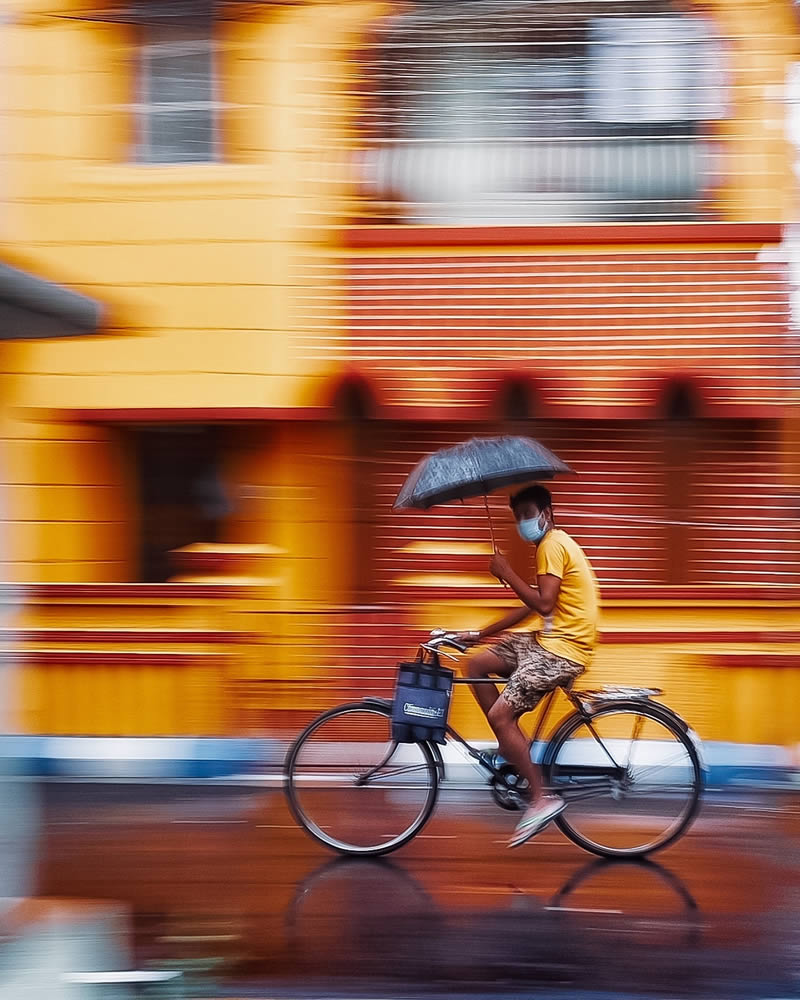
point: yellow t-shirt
(571, 632)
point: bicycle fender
(378, 702)
(665, 710)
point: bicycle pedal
(491, 759)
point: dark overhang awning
(139, 12)
(32, 308)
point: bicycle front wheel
(631, 777)
(353, 788)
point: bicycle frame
(605, 775)
(544, 712)
(546, 703)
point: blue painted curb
(727, 764)
(138, 757)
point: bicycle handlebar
(441, 637)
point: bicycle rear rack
(610, 693)
(614, 692)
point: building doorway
(181, 490)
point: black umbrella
(476, 468)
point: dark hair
(540, 495)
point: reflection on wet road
(223, 885)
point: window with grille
(537, 111)
(177, 111)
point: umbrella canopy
(476, 468)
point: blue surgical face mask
(532, 529)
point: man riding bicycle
(566, 597)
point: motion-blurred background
(256, 259)
(306, 243)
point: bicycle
(630, 768)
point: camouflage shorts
(534, 670)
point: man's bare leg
(515, 746)
(485, 665)
(543, 807)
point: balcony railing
(541, 181)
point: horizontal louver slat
(591, 328)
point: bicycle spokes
(388, 773)
(353, 788)
(638, 804)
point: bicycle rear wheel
(631, 777)
(353, 788)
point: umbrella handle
(491, 532)
(489, 519)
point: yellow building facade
(195, 540)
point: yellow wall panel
(182, 354)
(28, 696)
(746, 687)
(49, 541)
(787, 705)
(122, 700)
(141, 216)
(203, 390)
(161, 701)
(211, 264)
(214, 306)
(58, 462)
(65, 571)
(761, 185)
(68, 503)
(40, 428)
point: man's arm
(540, 599)
(513, 618)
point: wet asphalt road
(222, 885)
